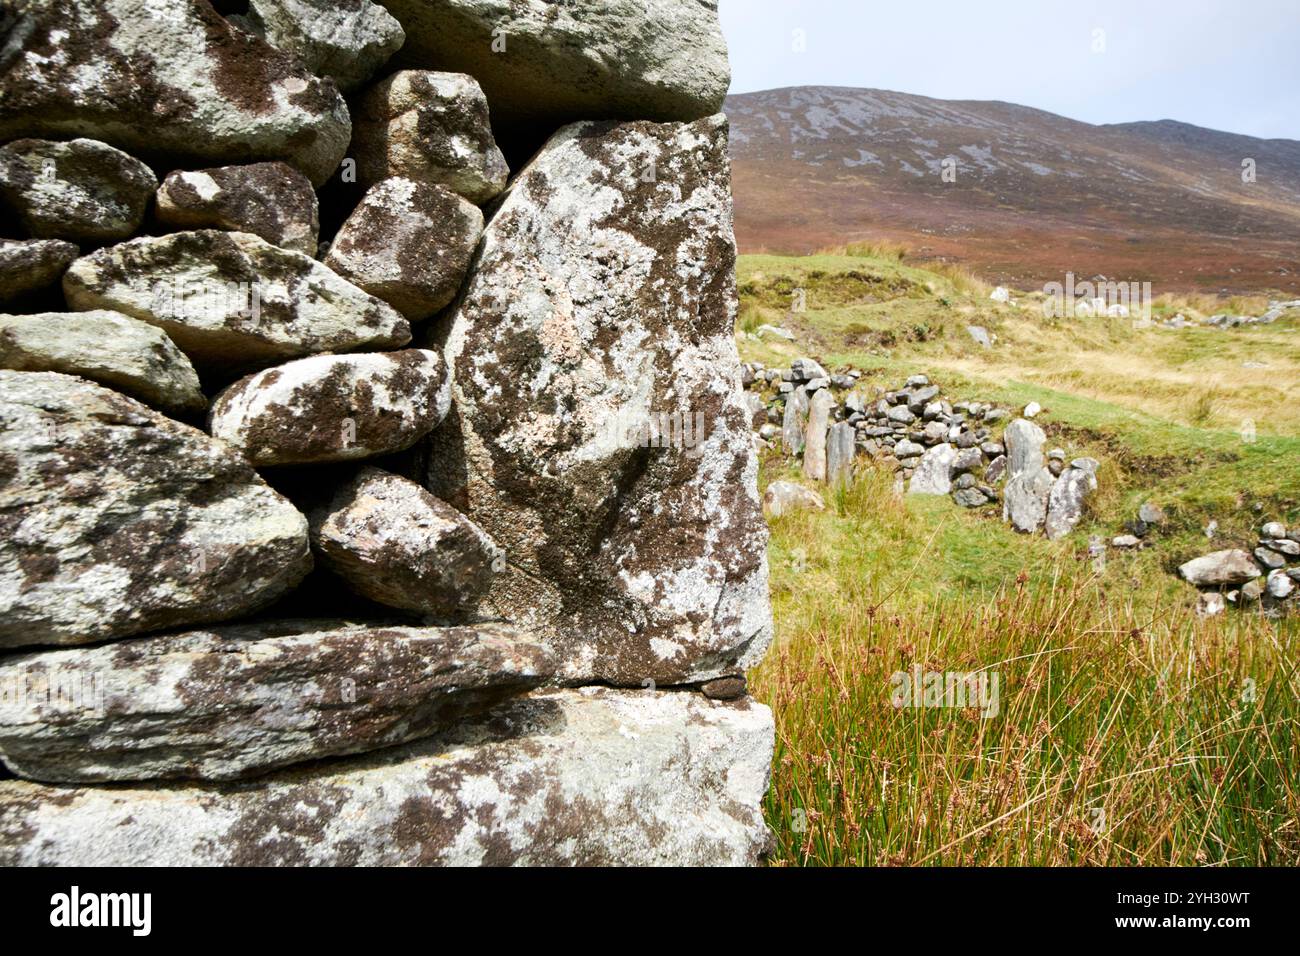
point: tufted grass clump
(1127, 731)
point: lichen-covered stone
(1226, 568)
(107, 347)
(169, 79)
(81, 190)
(29, 266)
(783, 497)
(408, 243)
(233, 301)
(433, 128)
(395, 543)
(1024, 443)
(270, 200)
(814, 446)
(345, 40)
(245, 699)
(583, 59)
(592, 776)
(600, 436)
(933, 475)
(1068, 495)
(1024, 502)
(115, 520)
(333, 407)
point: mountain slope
(1034, 195)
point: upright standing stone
(600, 436)
(814, 448)
(795, 421)
(1024, 443)
(1066, 500)
(839, 453)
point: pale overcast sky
(1226, 65)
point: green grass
(1115, 697)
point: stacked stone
(362, 547)
(934, 446)
(1267, 577)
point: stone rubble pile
(1225, 320)
(337, 526)
(1267, 576)
(969, 450)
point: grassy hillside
(1129, 730)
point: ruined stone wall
(376, 485)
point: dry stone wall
(365, 501)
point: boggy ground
(1127, 731)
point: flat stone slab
(244, 699)
(588, 777)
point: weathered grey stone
(80, 190)
(591, 776)
(814, 446)
(1280, 585)
(839, 453)
(167, 78)
(1066, 500)
(601, 438)
(115, 520)
(590, 59)
(1283, 546)
(107, 347)
(908, 449)
(1269, 558)
(430, 127)
(980, 335)
(32, 265)
(795, 421)
(806, 369)
(245, 699)
(783, 497)
(1273, 529)
(1024, 441)
(345, 40)
(232, 301)
(935, 432)
(1220, 569)
(997, 469)
(395, 543)
(271, 200)
(1024, 502)
(333, 407)
(409, 244)
(1151, 513)
(967, 460)
(970, 498)
(933, 475)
